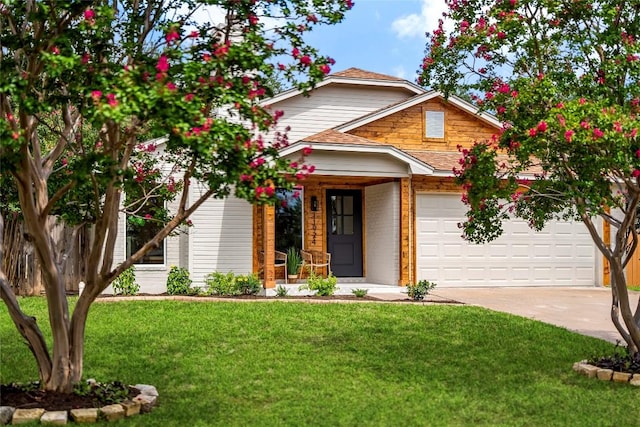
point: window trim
(146, 266)
(442, 117)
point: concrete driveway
(579, 309)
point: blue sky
(385, 36)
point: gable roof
(418, 99)
(331, 140)
(353, 76)
(358, 73)
(335, 137)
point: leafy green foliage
(179, 282)
(125, 284)
(322, 286)
(417, 291)
(228, 284)
(360, 293)
(294, 261)
(248, 284)
(281, 291)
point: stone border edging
(142, 403)
(603, 374)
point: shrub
(179, 282)
(418, 291)
(221, 284)
(322, 286)
(248, 284)
(281, 291)
(360, 293)
(125, 283)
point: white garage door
(561, 254)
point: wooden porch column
(405, 232)
(268, 245)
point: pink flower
(305, 60)
(501, 109)
(89, 15)
(269, 191)
(307, 150)
(171, 86)
(504, 88)
(253, 19)
(171, 36)
(532, 132)
(464, 26)
(585, 124)
(617, 126)
(582, 101)
(542, 126)
(597, 133)
(111, 99)
(568, 135)
(147, 216)
(163, 64)
(188, 97)
(635, 173)
(55, 50)
(295, 52)
(312, 18)
(325, 69)
(96, 95)
(501, 35)
(282, 67)
(194, 34)
(85, 58)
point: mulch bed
(21, 397)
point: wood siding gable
(405, 129)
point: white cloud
(416, 25)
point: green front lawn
(264, 364)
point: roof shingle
(357, 73)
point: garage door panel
(562, 254)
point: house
(382, 200)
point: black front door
(344, 232)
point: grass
(279, 364)
(634, 288)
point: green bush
(125, 283)
(360, 293)
(322, 286)
(248, 284)
(281, 291)
(419, 290)
(221, 284)
(228, 284)
(179, 282)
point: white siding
(330, 106)
(562, 254)
(382, 233)
(152, 278)
(221, 238)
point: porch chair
(312, 260)
(280, 261)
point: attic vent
(435, 124)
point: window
(140, 230)
(434, 124)
(342, 215)
(289, 219)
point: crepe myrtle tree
(563, 77)
(112, 73)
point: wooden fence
(20, 261)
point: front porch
(363, 222)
